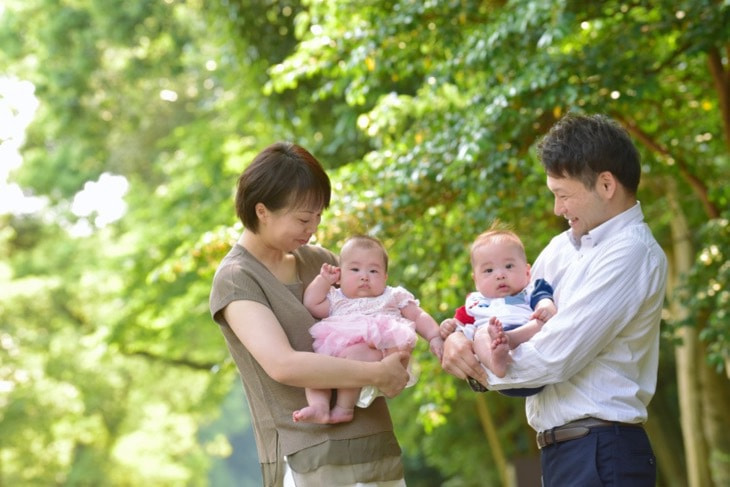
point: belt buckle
(475, 385)
(545, 438)
(550, 434)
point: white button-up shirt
(598, 356)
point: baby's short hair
(365, 242)
(498, 233)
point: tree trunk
(494, 445)
(716, 422)
(689, 360)
(664, 429)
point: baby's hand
(436, 345)
(330, 273)
(544, 310)
(447, 327)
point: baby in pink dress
(363, 319)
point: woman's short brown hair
(281, 175)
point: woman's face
(289, 228)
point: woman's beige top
(241, 276)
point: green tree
(110, 361)
(427, 114)
(482, 81)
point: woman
(257, 301)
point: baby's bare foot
(500, 358)
(496, 332)
(500, 347)
(312, 414)
(341, 415)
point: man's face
(584, 208)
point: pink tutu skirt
(334, 334)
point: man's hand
(459, 359)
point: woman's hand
(459, 359)
(394, 376)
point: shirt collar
(518, 298)
(607, 229)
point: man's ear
(606, 184)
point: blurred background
(124, 126)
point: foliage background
(426, 115)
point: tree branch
(722, 86)
(177, 362)
(697, 185)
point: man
(598, 356)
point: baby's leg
(389, 351)
(500, 347)
(492, 347)
(347, 398)
(318, 409)
(523, 333)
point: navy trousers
(616, 456)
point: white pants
(306, 480)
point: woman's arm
(260, 332)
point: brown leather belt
(574, 430)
